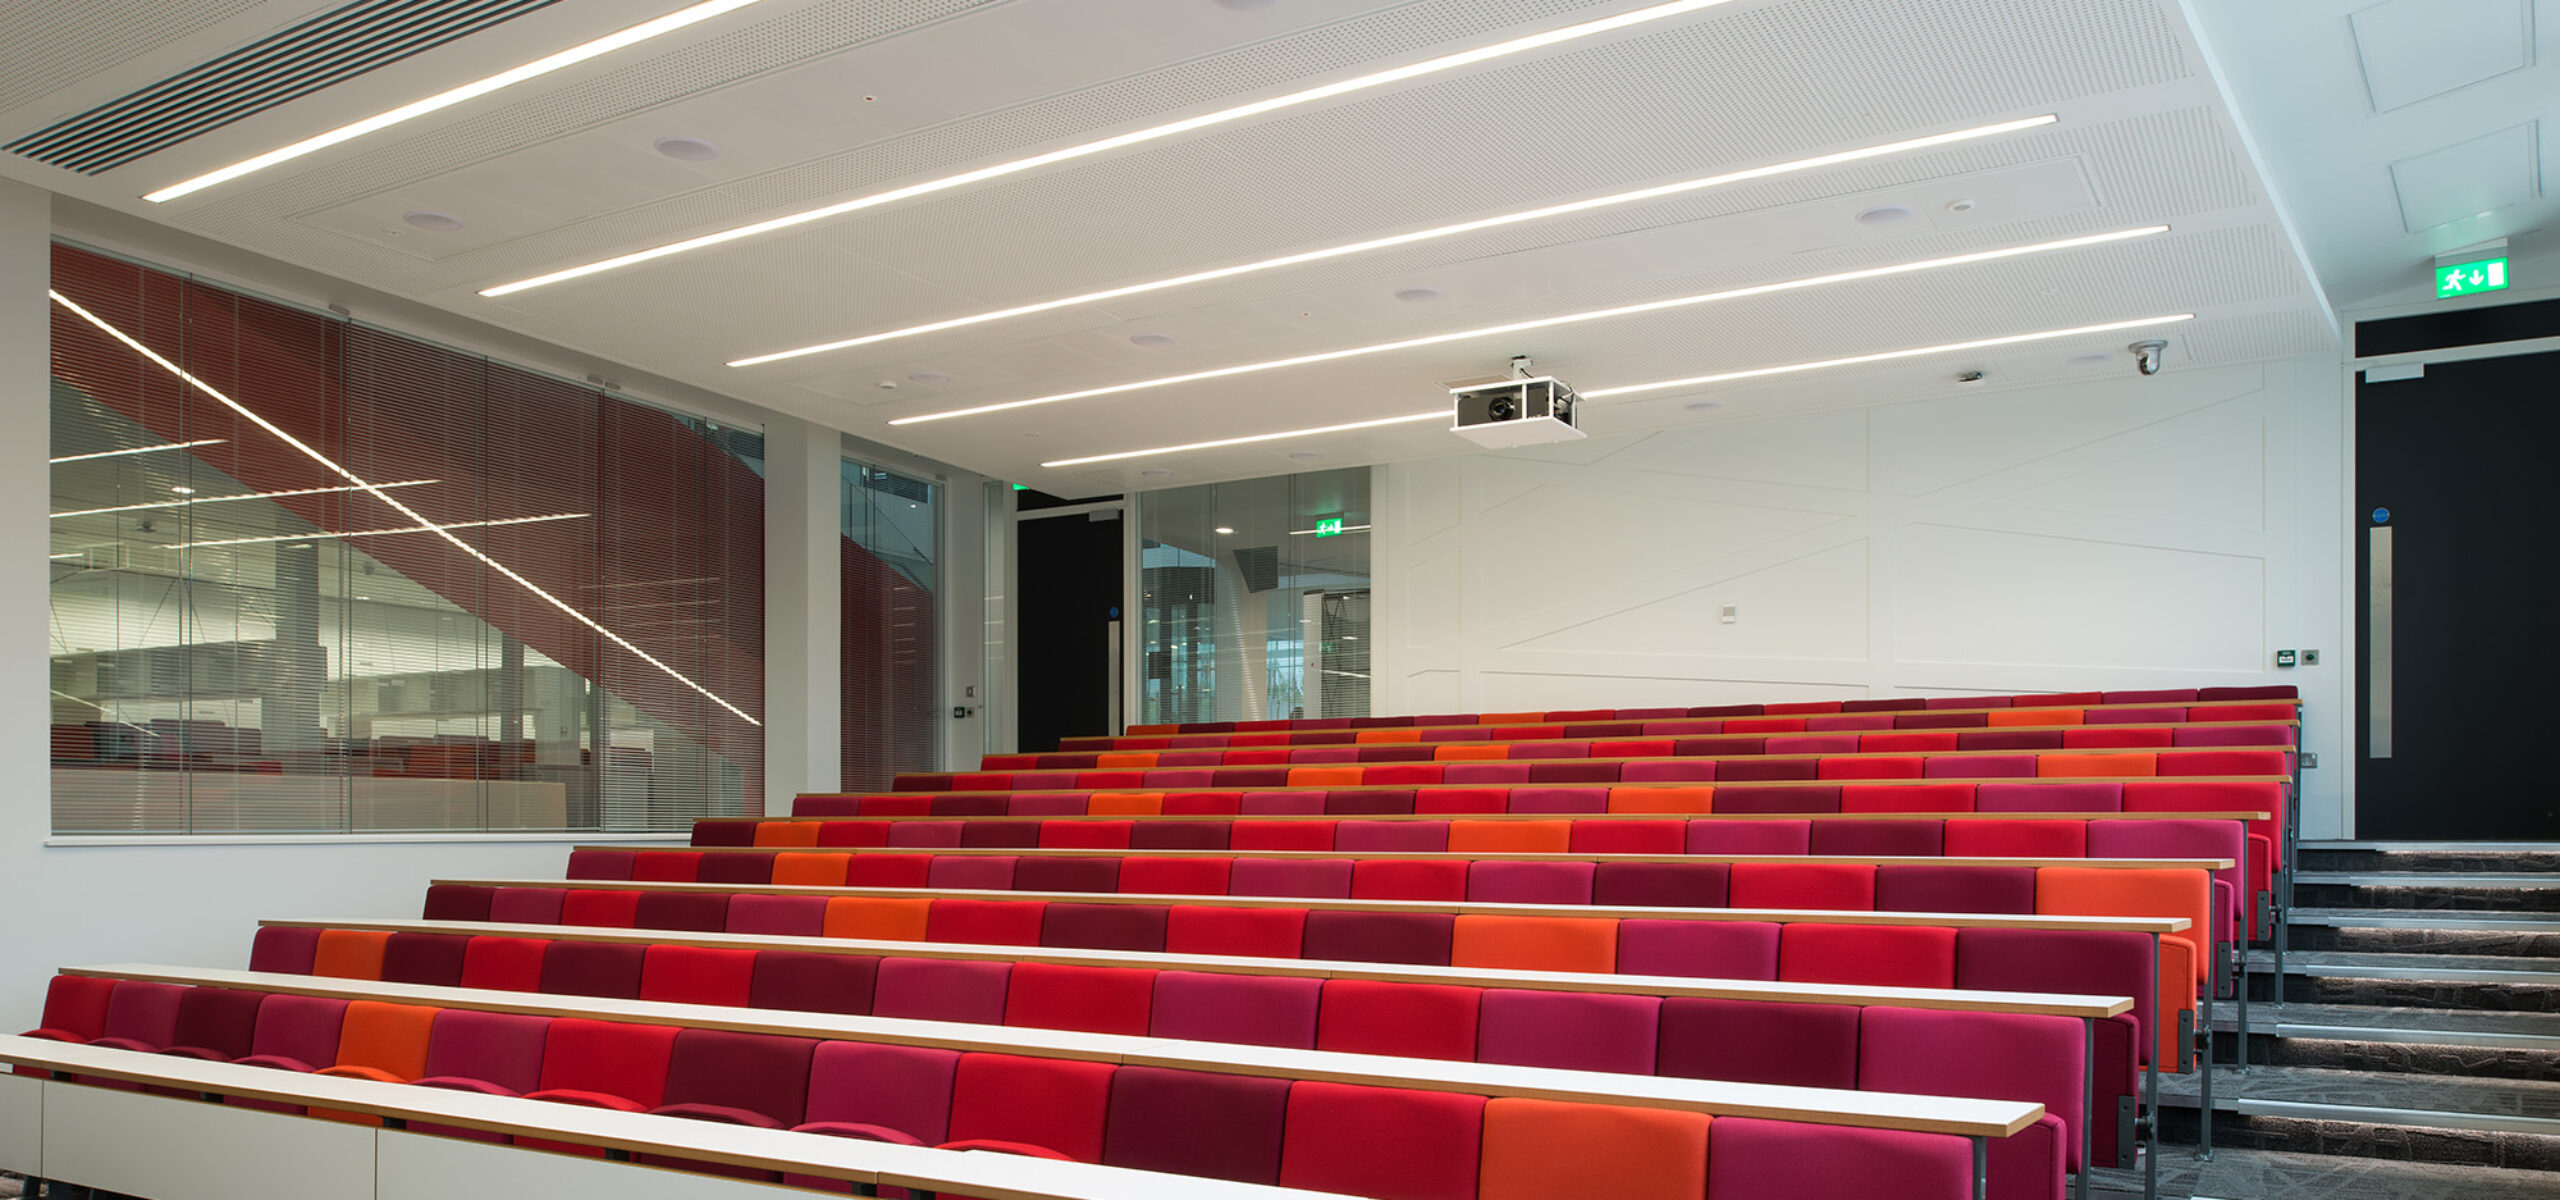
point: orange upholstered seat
(1125, 804)
(1510, 837)
(1662, 800)
(1535, 1149)
(1302, 777)
(383, 1042)
(879, 918)
(811, 870)
(1535, 943)
(786, 833)
(349, 954)
(1464, 751)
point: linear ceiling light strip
(1379, 79)
(1523, 216)
(331, 534)
(375, 490)
(446, 99)
(1442, 414)
(137, 450)
(1599, 314)
(192, 501)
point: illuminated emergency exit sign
(1329, 527)
(2465, 279)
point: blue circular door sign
(2382, 516)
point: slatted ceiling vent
(277, 69)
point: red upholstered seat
(1056, 1104)
(1629, 837)
(1195, 1123)
(215, 1024)
(1752, 1041)
(1499, 882)
(1884, 955)
(1748, 1157)
(742, 868)
(572, 968)
(285, 949)
(1750, 837)
(2018, 839)
(1699, 949)
(1254, 1010)
(1036, 874)
(1980, 766)
(1871, 766)
(1415, 1020)
(428, 958)
(1281, 835)
(786, 916)
(1088, 999)
(1659, 884)
(1175, 876)
(1864, 839)
(460, 902)
(1459, 800)
(1961, 889)
(606, 1064)
(1804, 885)
(902, 1088)
(1907, 797)
(693, 912)
(1306, 878)
(934, 989)
(1573, 1030)
(1409, 879)
(1391, 837)
(663, 866)
(140, 1016)
(697, 975)
(298, 1033)
(527, 906)
(504, 964)
(804, 982)
(490, 1053)
(1389, 1143)
(1990, 1056)
(1137, 927)
(984, 922)
(1245, 932)
(888, 870)
(1388, 937)
(599, 908)
(2049, 797)
(1764, 770)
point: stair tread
(2279, 1175)
(2445, 1094)
(2264, 960)
(2428, 918)
(2454, 1023)
(2438, 879)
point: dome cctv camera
(2146, 355)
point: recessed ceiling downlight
(1151, 339)
(1156, 473)
(1703, 405)
(1244, 5)
(1885, 214)
(690, 149)
(1307, 456)
(1416, 295)
(432, 222)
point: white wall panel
(2116, 533)
(21, 1124)
(199, 1151)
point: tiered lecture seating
(1927, 948)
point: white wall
(2126, 533)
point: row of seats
(1843, 1046)
(2044, 728)
(1367, 1140)
(2209, 696)
(1840, 886)
(1592, 742)
(1808, 950)
(1689, 760)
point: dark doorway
(1067, 573)
(2452, 481)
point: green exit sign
(1329, 527)
(2471, 278)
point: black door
(2454, 474)
(1067, 573)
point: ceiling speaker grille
(294, 62)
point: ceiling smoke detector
(432, 222)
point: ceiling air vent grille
(329, 48)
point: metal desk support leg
(2240, 956)
(2088, 1111)
(2204, 1064)
(1981, 1168)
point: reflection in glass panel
(310, 576)
(1256, 599)
(891, 697)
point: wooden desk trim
(1872, 860)
(2296, 702)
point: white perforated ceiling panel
(813, 101)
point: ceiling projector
(1516, 412)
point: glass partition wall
(1255, 599)
(310, 576)
(891, 694)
